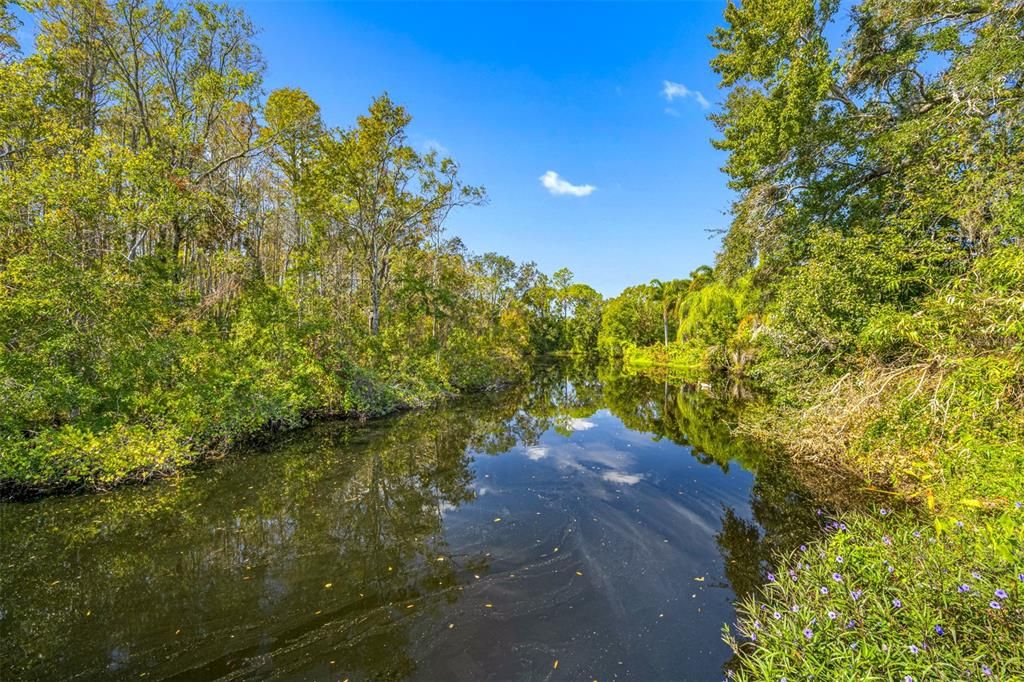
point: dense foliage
(184, 261)
(872, 284)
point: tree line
(186, 259)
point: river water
(588, 525)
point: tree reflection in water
(328, 551)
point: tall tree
(386, 195)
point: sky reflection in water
(603, 521)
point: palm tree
(661, 294)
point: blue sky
(514, 90)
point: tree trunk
(664, 322)
(374, 309)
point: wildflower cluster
(884, 596)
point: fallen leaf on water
(699, 579)
(490, 606)
(555, 666)
(451, 626)
(497, 519)
(410, 606)
(556, 549)
(177, 632)
(328, 586)
(578, 573)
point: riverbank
(74, 458)
(934, 591)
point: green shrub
(79, 457)
(885, 597)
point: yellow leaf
(328, 586)
(699, 579)
(555, 666)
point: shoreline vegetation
(186, 262)
(871, 285)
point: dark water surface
(600, 521)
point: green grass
(883, 596)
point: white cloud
(671, 91)
(536, 452)
(622, 477)
(435, 146)
(558, 186)
(576, 424)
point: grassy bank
(888, 596)
(925, 409)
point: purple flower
(776, 615)
(803, 548)
(908, 678)
(842, 526)
(886, 540)
(824, 590)
(838, 578)
(985, 670)
(994, 604)
(889, 568)
(939, 630)
(897, 603)
(913, 649)
(839, 559)
(916, 533)
(964, 588)
(851, 625)
(1020, 577)
(808, 633)
(959, 524)
(832, 615)
(771, 577)
(757, 625)
(794, 608)
(1001, 594)
(977, 576)
(1018, 505)
(883, 511)
(856, 594)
